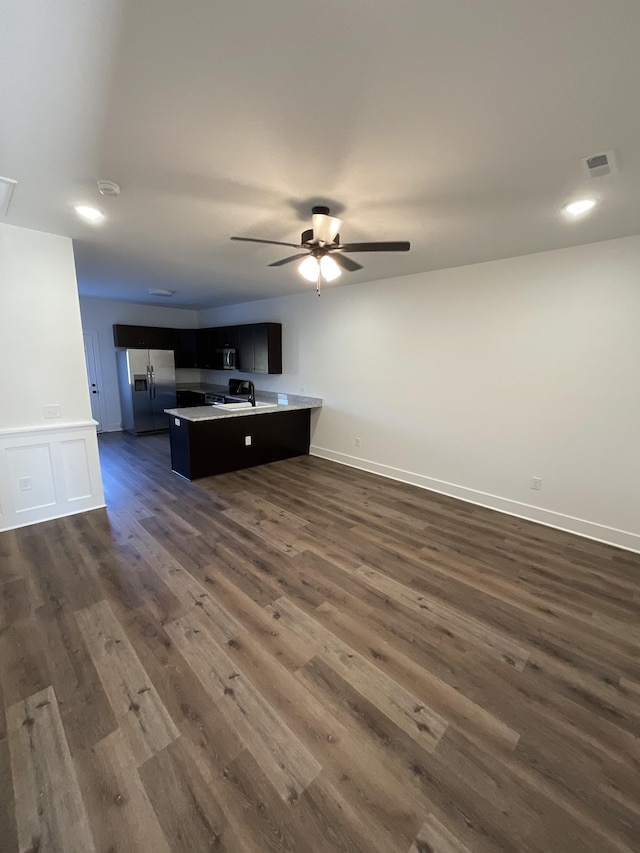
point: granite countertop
(276, 402)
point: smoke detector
(599, 165)
(109, 188)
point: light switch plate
(247, 441)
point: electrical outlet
(247, 441)
(25, 484)
(52, 410)
(357, 442)
(536, 483)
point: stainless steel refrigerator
(147, 380)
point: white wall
(48, 467)
(99, 315)
(473, 380)
(39, 329)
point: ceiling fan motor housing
(306, 238)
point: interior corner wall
(471, 381)
(100, 315)
(49, 467)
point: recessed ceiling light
(577, 208)
(154, 292)
(90, 214)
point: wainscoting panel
(48, 472)
(31, 472)
(76, 469)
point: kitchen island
(208, 440)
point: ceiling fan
(324, 255)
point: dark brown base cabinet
(203, 448)
(186, 399)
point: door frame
(91, 335)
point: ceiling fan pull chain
(319, 280)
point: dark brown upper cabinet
(260, 348)
(144, 337)
(187, 351)
(258, 345)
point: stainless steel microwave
(226, 358)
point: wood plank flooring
(303, 657)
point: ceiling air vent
(599, 165)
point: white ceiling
(455, 124)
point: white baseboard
(588, 529)
(48, 472)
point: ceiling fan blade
(397, 246)
(270, 242)
(289, 259)
(344, 262)
(325, 227)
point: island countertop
(270, 402)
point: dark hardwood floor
(303, 657)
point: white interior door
(94, 375)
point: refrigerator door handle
(153, 383)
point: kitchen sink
(234, 407)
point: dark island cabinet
(203, 448)
(144, 337)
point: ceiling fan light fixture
(326, 266)
(329, 268)
(322, 240)
(309, 268)
(325, 227)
